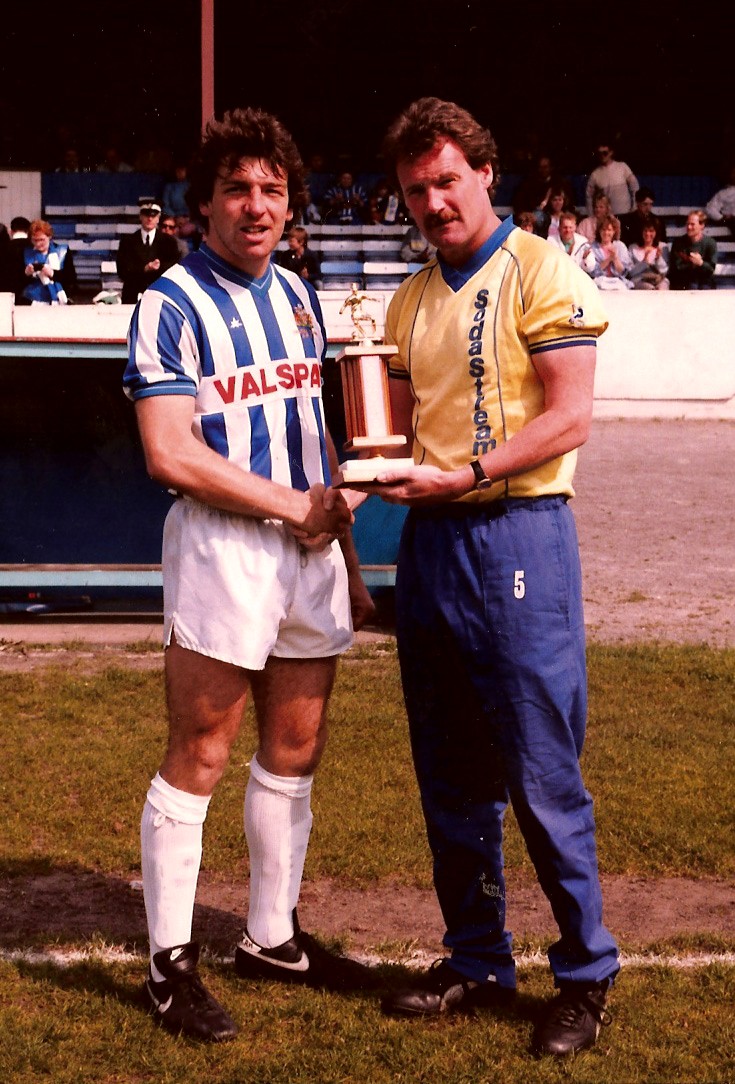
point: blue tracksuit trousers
(492, 651)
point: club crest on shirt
(304, 322)
(577, 316)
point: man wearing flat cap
(144, 255)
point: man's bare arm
(175, 458)
(568, 378)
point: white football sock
(171, 852)
(277, 826)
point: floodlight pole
(207, 9)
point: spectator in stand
(70, 162)
(615, 179)
(49, 270)
(12, 277)
(152, 155)
(573, 243)
(167, 225)
(188, 231)
(13, 269)
(306, 212)
(143, 256)
(5, 265)
(631, 225)
(693, 258)
(113, 162)
(346, 202)
(721, 208)
(526, 220)
(299, 258)
(318, 180)
(534, 191)
(415, 247)
(600, 209)
(385, 206)
(649, 260)
(19, 227)
(612, 259)
(174, 191)
(551, 209)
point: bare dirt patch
(76, 905)
(656, 531)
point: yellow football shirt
(466, 339)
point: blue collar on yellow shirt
(456, 277)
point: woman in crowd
(649, 261)
(588, 226)
(49, 267)
(552, 207)
(612, 259)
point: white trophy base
(356, 471)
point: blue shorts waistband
(489, 509)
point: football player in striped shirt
(262, 587)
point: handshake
(328, 517)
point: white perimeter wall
(667, 354)
(664, 354)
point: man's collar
(234, 274)
(456, 277)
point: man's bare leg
(206, 698)
(290, 697)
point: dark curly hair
(429, 121)
(243, 133)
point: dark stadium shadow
(74, 927)
(93, 976)
(51, 912)
(47, 904)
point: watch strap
(481, 479)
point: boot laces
(573, 1005)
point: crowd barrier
(79, 513)
(665, 353)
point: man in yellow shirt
(493, 382)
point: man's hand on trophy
(353, 497)
(416, 486)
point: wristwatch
(481, 479)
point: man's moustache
(432, 221)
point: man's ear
(486, 175)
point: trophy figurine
(367, 400)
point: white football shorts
(241, 589)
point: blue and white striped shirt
(250, 351)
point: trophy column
(367, 413)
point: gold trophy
(367, 400)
